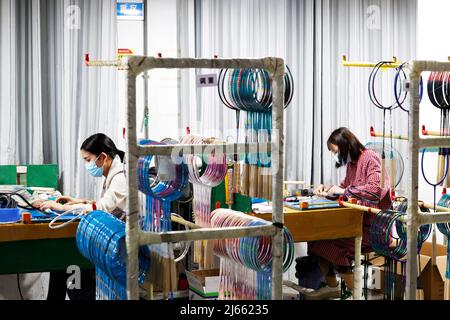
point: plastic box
(203, 284)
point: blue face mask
(92, 168)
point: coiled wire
(250, 89)
(438, 87)
(101, 239)
(424, 230)
(205, 173)
(393, 245)
(384, 242)
(400, 78)
(160, 189)
(254, 253)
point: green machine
(45, 175)
(241, 203)
(40, 255)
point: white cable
(78, 211)
(186, 249)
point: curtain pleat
(52, 101)
(312, 36)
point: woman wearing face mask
(102, 159)
(363, 179)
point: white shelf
(414, 218)
(183, 149)
(134, 236)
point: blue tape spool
(165, 191)
(101, 239)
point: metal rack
(415, 218)
(135, 236)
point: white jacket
(113, 194)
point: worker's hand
(68, 200)
(321, 190)
(335, 190)
(53, 205)
(37, 203)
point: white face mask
(336, 158)
(339, 160)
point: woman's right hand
(321, 190)
(68, 200)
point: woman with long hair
(363, 181)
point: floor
(291, 294)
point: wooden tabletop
(35, 231)
(321, 224)
(307, 225)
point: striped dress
(365, 174)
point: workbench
(326, 224)
(27, 248)
(320, 224)
(34, 247)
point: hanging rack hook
(394, 63)
(377, 134)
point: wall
(162, 84)
(130, 36)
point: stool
(366, 263)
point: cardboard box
(203, 284)
(432, 281)
(377, 273)
(434, 274)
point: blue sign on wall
(130, 11)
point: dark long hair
(347, 143)
(98, 143)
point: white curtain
(51, 100)
(312, 36)
(20, 86)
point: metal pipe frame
(436, 217)
(134, 236)
(435, 142)
(357, 271)
(414, 219)
(205, 234)
(180, 149)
